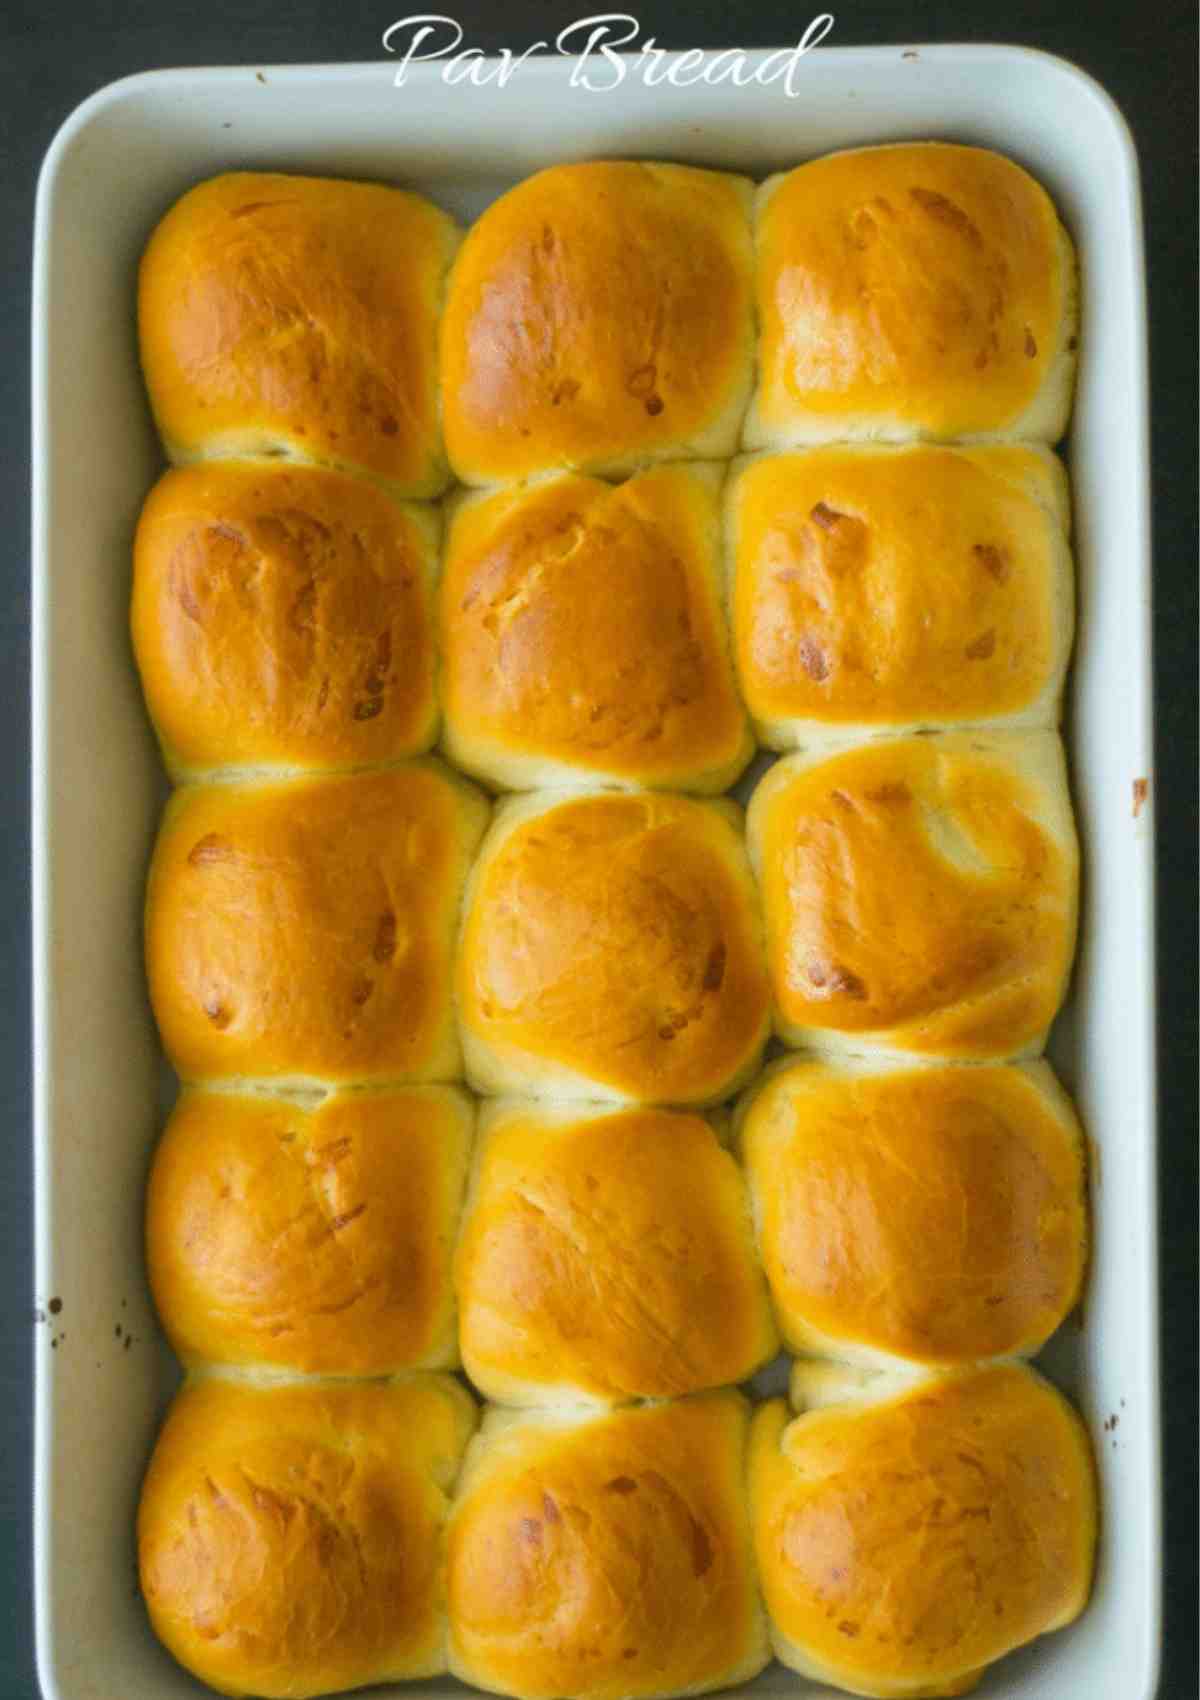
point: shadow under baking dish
(103, 1374)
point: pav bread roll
(606, 1255)
(298, 316)
(912, 290)
(612, 949)
(920, 894)
(302, 932)
(891, 589)
(605, 1558)
(584, 637)
(916, 1531)
(927, 1215)
(283, 617)
(312, 1240)
(289, 1535)
(599, 317)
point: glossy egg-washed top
(617, 937)
(283, 614)
(299, 313)
(313, 1241)
(921, 892)
(919, 289)
(599, 314)
(289, 1537)
(881, 587)
(305, 930)
(937, 1215)
(606, 1560)
(582, 626)
(608, 1256)
(904, 1546)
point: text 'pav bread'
(612, 949)
(290, 1535)
(583, 635)
(920, 894)
(605, 1557)
(911, 290)
(303, 930)
(299, 315)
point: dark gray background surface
(52, 57)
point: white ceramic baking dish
(102, 1373)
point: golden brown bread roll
(920, 894)
(583, 635)
(611, 949)
(283, 616)
(289, 1536)
(310, 1239)
(303, 931)
(605, 1558)
(914, 1533)
(912, 290)
(887, 589)
(298, 315)
(930, 1215)
(600, 316)
(606, 1255)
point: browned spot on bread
(1141, 790)
(947, 212)
(385, 937)
(702, 1552)
(993, 559)
(825, 516)
(388, 425)
(1030, 344)
(982, 647)
(714, 968)
(531, 1531)
(641, 383)
(891, 791)
(813, 659)
(209, 850)
(565, 390)
(369, 709)
(337, 1223)
(361, 990)
(621, 1484)
(550, 1509)
(654, 405)
(217, 1013)
(831, 977)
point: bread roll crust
(303, 931)
(289, 1536)
(611, 948)
(888, 589)
(920, 894)
(583, 635)
(912, 290)
(299, 315)
(905, 1544)
(310, 1240)
(600, 317)
(606, 1255)
(283, 616)
(605, 1559)
(930, 1215)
